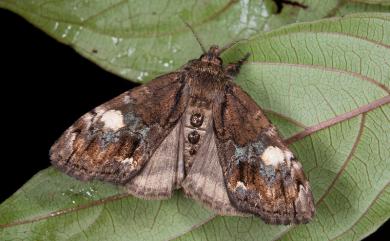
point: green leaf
(139, 41)
(53, 206)
(324, 84)
(380, 2)
(348, 7)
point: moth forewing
(114, 141)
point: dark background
(45, 87)
(48, 87)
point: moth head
(212, 56)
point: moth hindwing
(193, 129)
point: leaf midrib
(339, 118)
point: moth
(192, 129)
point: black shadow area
(45, 87)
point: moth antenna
(229, 45)
(195, 34)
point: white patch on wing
(71, 139)
(302, 195)
(87, 117)
(273, 156)
(113, 119)
(126, 99)
(289, 156)
(240, 184)
(128, 161)
(297, 166)
(99, 111)
(271, 131)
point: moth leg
(233, 69)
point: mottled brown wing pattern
(261, 174)
(115, 140)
